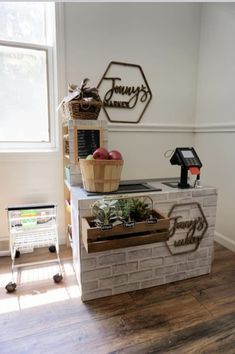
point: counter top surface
(80, 194)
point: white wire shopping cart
(32, 226)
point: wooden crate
(95, 239)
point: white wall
(30, 178)
(164, 40)
(215, 113)
(144, 152)
(34, 177)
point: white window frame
(52, 144)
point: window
(26, 75)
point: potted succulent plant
(106, 214)
(133, 210)
(123, 222)
(126, 211)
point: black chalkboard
(87, 142)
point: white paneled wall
(164, 40)
(187, 52)
(28, 179)
(216, 110)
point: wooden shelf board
(125, 242)
(67, 184)
(67, 207)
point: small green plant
(105, 212)
(123, 210)
(134, 210)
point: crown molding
(163, 128)
(215, 128)
(172, 128)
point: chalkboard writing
(87, 142)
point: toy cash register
(188, 159)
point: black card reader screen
(187, 154)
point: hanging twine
(83, 91)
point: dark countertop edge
(80, 194)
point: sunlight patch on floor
(44, 272)
(35, 287)
(22, 302)
(9, 305)
(39, 273)
(48, 297)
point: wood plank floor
(191, 316)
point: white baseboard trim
(5, 253)
(225, 241)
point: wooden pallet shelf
(95, 239)
(67, 185)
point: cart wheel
(17, 254)
(52, 249)
(57, 278)
(10, 287)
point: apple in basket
(101, 154)
(115, 155)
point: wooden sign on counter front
(188, 225)
(86, 141)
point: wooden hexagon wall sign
(125, 92)
(188, 225)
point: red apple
(115, 155)
(101, 154)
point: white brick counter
(116, 271)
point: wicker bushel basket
(82, 109)
(101, 175)
(81, 102)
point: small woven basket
(82, 109)
(101, 175)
